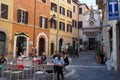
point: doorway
(41, 46)
(21, 45)
(91, 43)
(52, 48)
(2, 42)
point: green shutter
(19, 16)
(26, 17)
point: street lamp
(57, 26)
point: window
(53, 7)
(74, 23)
(69, 13)
(44, 1)
(80, 10)
(80, 23)
(22, 16)
(62, 10)
(53, 23)
(73, 8)
(69, 1)
(62, 26)
(91, 23)
(43, 22)
(4, 11)
(69, 28)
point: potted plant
(97, 56)
(98, 51)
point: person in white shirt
(22, 56)
(59, 62)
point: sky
(89, 2)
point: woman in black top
(65, 57)
(2, 60)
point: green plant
(98, 48)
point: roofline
(76, 1)
(85, 5)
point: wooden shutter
(63, 11)
(40, 21)
(52, 5)
(60, 9)
(67, 27)
(67, 13)
(4, 11)
(64, 26)
(70, 14)
(59, 25)
(46, 22)
(72, 23)
(75, 23)
(55, 22)
(26, 17)
(71, 28)
(19, 16)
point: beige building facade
(61, 31)
(6, 15)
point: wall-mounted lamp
(53, 17)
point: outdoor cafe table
(49, 67)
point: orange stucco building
(30, 29)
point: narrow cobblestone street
(86, 68)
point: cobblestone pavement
(86, 68)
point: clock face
(91, 23)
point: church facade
(90, 29)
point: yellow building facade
(62, 31)
(6, 15)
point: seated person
(43, 58)
(3, 61)
(22, 56)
